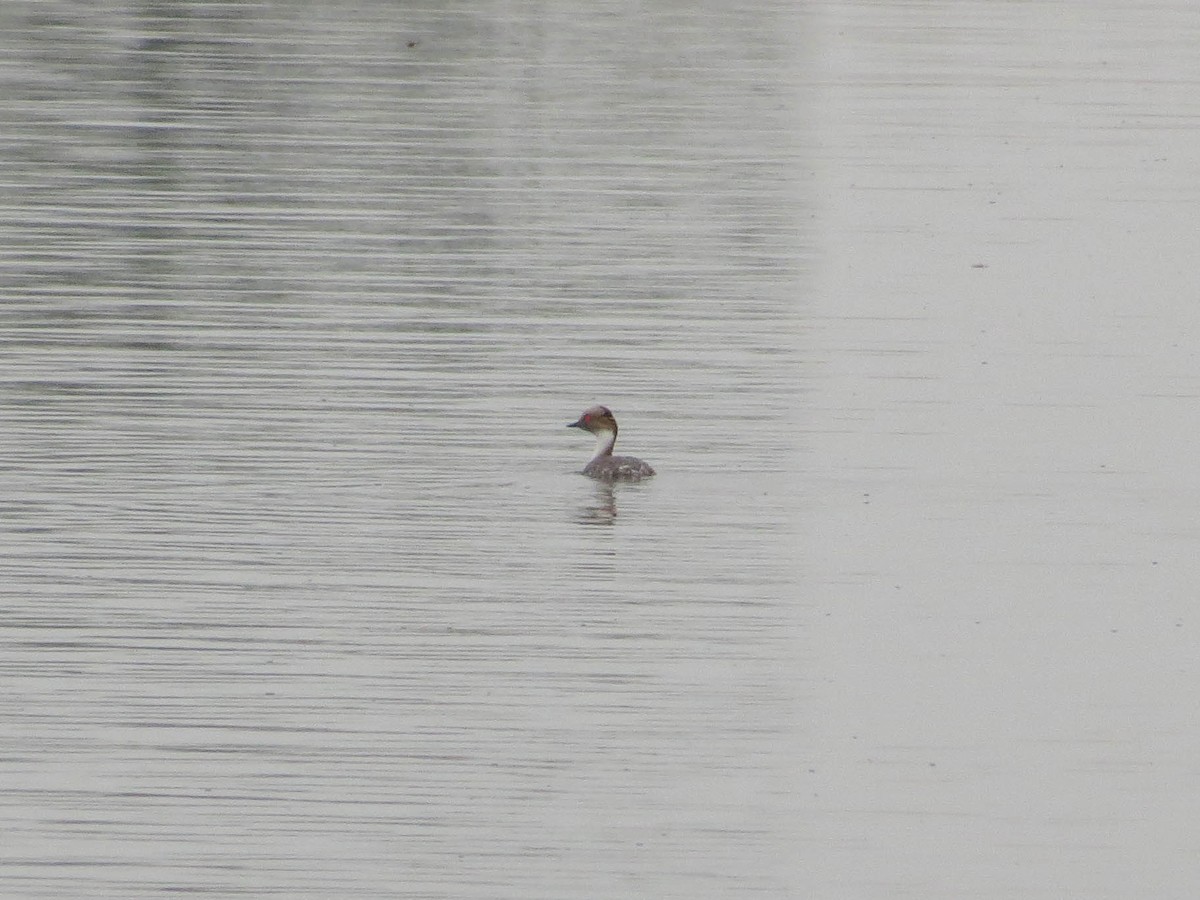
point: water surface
(302, 592)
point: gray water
(302, 595)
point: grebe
(600, 422)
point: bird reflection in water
(602, 510)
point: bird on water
(599, 421)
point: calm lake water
(302, 594)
